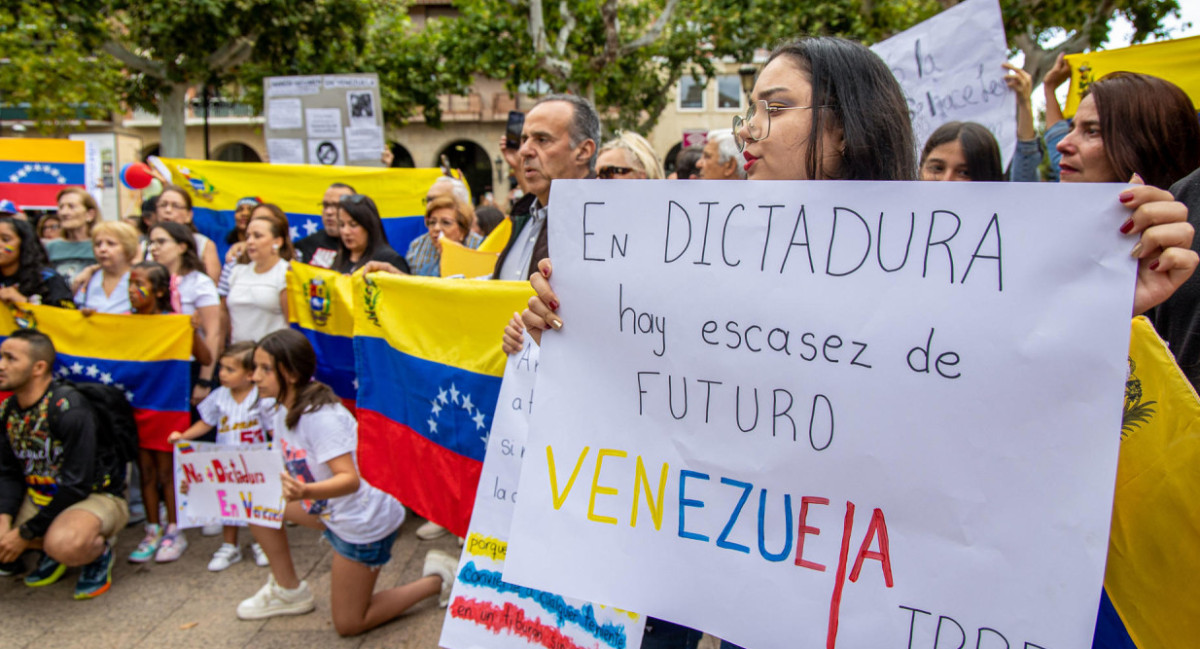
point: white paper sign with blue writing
(231, 485)
(487, 611)
(801, 414)
(949, 70)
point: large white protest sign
(808, 414)
(949, 70)
(232, 485)
(486, 611)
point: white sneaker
(445, 566)
(212, 530)
(271, 600)
(225, 556)
(260, 556)
(430, 531)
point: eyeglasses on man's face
(757, 121)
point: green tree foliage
(47, 65)
(628, 56)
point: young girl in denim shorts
(324, 491)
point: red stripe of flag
(382, 441)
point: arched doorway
(401, 158)
(236, 152)
(473, 161)
(153, 149)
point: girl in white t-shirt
(318, 438)
(239, 417)
(257, 296)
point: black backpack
(116, 429)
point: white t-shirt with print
(253, 301)
(247, 422)
(364, 516)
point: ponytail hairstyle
(189, 259)
(160, 282)
(294, 357)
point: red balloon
(136, 175)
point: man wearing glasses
(320, 247)
(559, 140)
(720, 159)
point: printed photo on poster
(360, 106)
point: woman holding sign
(318, 438)
(829, 109)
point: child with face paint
(150, 294)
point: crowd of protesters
(822, 108)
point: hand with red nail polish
(1164, 247)
(542, 312)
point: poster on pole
(318, 111)
(231, 485)
(949, 70)
(485, 610)
(851, 414)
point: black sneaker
(47, 572)
(12, 568)
(96, 577)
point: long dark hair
(362, 209)
(189, 259)
(866, 103)
(160, 283)
(979, 147)
(294, 355)
(31, 256)
(1149, 127)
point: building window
(729, 91)
(691, 93)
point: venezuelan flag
(145, 356)
(1177, 61)
(430, 364)
(34, 170)
(320, 307)
(1150, 598)
(298, 190)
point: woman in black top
(362, 236)
(25, 271)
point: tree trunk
(172, 106)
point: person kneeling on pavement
(60, 490)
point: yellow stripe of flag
(42, 150)
(106, 336)
(320, 300)
(1177, 61)
(1153, 555)
(452, 322)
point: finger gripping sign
(839, 414)
(231, 485)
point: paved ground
(182, 605)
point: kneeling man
(60, 489)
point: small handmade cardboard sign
(810, 414)
(231, 485)
(487, 611)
